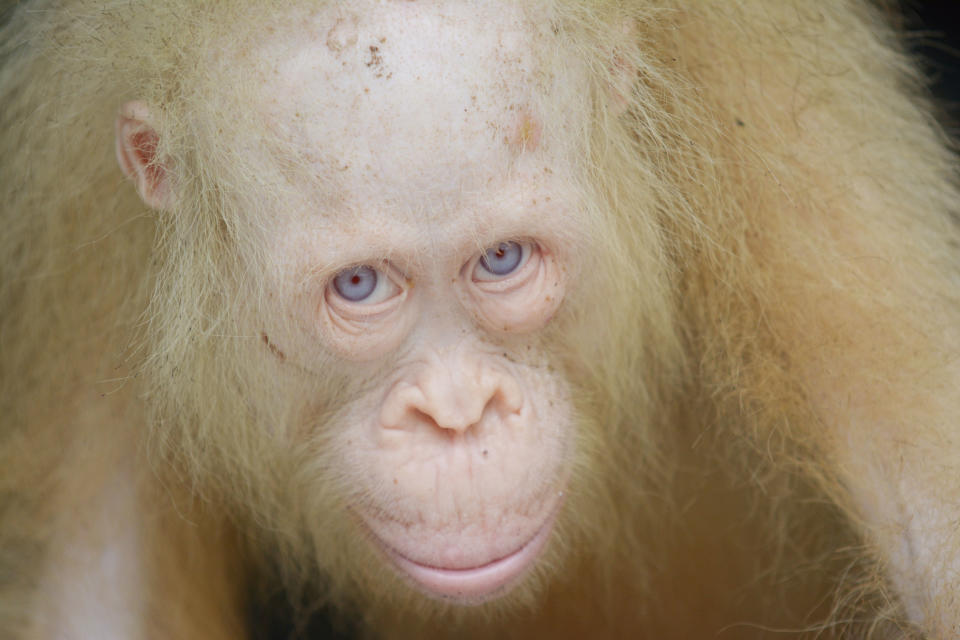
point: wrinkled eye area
(502, 259)
(357, 283)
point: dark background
(933, 34)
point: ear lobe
(137, 143)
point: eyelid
(524, 300)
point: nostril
(441, 399)
(396, 410)
(422, 417)
(503, 405)
(409, 406)
(508, 396)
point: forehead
(422, 106)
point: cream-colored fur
(765, 364)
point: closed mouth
(474, 585)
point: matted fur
(776, 209)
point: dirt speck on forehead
(374, 60)
(413, 99)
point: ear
(137, 142)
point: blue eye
(357, 283)
(502, 259)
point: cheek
(286, 335)
(286, 299)
(522, 312)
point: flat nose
(452, 393)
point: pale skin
(436, 255)
(430, 241)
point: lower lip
(479, 584)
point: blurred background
(933, 33)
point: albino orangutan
(493, 319)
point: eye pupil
(357, 283)
(502, 259)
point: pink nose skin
(452, 394)
(476, 585)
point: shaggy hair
(775, 283)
